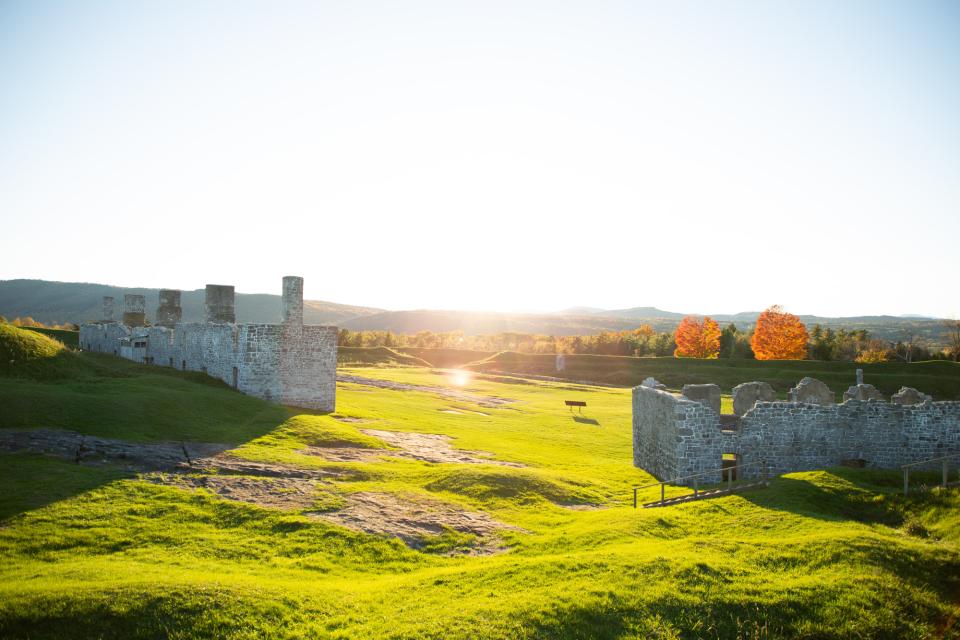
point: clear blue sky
(696, 156)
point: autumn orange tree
(779, 336)
(697, 338)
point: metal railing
(728, 471)
(945, 467)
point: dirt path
(275, 492)
(411, 518)
(483, 401)
(431, 447)
(427, 447)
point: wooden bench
(575, 403)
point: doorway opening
(728, 467)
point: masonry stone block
(706, 394)
(811, 391)
(219, 304)
(169, 312)
(862, 392)
(747, 394)
(107, 308)
(133, 310)
(909, 396)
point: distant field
(938, 378)
(97, 550)
(447, 358)
(347, 356)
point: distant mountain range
(57, 302)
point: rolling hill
(56, 302)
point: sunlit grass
(93, 552)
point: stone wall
(791, 436)
(287, 363)
(675, 437)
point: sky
(701, 157)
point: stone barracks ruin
(287, 363)
(675, 436)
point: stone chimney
(169, 311)
(133, 310)
(107, 309)
(293, 301)
(219, 304)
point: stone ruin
(678, 435)
(290, 363)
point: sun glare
(460, 378)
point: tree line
(777, 335)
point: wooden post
(634, 497)
(944, 473)
(906, 480)
(695, 492)
(663, 489)
(730, 479)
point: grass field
(94, 550)
(359, 356)
(938, 378)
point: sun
(460, 378)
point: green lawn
(938, 377)
(91, 551)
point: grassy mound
(30, 354)
(517, 486)
(939, 378)
(372, 356)
(43, 384)
(446, 358)
(70, 338)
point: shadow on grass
(112, 398)
(108, 397)
(583, 420)
(868, 496)
(32, 481)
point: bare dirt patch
(412, 518)
(430, 447)
(483, 401)
(349, 419)
(351, 454)
(426, 447)
(462, 412)
(276, 493)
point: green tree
(728, 340)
